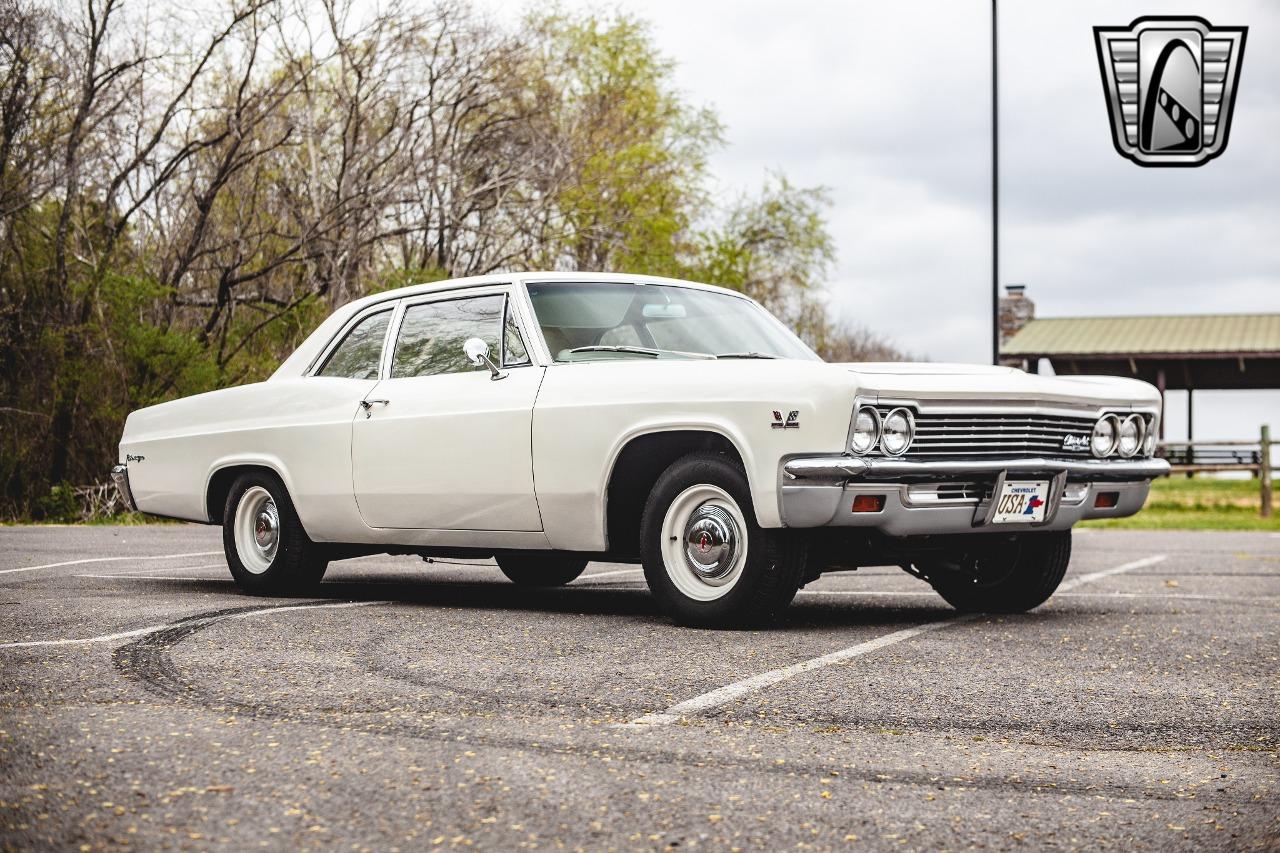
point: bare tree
(185, 191)
(843, 342)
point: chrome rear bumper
(863, 468)
(120, 476)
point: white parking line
(730, 692)
(109, 560)
(1172, 595)
(137, 577)
(1169, 595)
(248, 614)
(1081, 580)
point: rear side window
(360, 352)
(432, 335)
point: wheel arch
(639, 461)
(225, 472)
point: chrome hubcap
(704, 542)
(711, 542)
(257, 530)
(267, 528)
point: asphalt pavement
(144, 703)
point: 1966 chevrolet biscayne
(551, 419)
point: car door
(442, 444)
(313, 419)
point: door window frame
(510, 308)
(515, 306)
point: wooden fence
(1195, 457)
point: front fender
(587, 413)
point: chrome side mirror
(477, 352)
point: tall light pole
(995, 194)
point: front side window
(432, 335)
(595, 320)
(360, 353)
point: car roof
(529, 278)
(296, 363)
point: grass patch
(125, 519)
(1203, 503)
(131, 519)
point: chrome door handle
(367, 405)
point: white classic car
(551, 419)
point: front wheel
(266, 547)
(541, 569)
(707, 562)
(1006, 574)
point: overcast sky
(888, 106)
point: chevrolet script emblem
(1071, 441)
(1170, 84)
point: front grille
(1017, 436)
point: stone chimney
(1016, 310)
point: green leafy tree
(775, 248)
(633, 181)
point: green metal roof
(1229, 334)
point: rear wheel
(266, 547)
(706, 560)
(541, 569)
(1006, 574)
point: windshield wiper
(744, 355)
(652, 353)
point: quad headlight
(1106, 432)
(897, 432)
(1132, 432)
(866, 430)
(1126, 436)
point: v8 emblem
(792, 421)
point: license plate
(1021, 502)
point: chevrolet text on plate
(552, 419)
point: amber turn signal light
(868, 503)
(1106, 500)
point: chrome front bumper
(819, 492)
(120, 476)
(863, 468)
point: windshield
(599, 320)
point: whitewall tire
(706, 560)
(266, 547)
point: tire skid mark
(215, 615)
(146, 572)
(121, 635)
(147, 661)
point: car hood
(922, 380)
